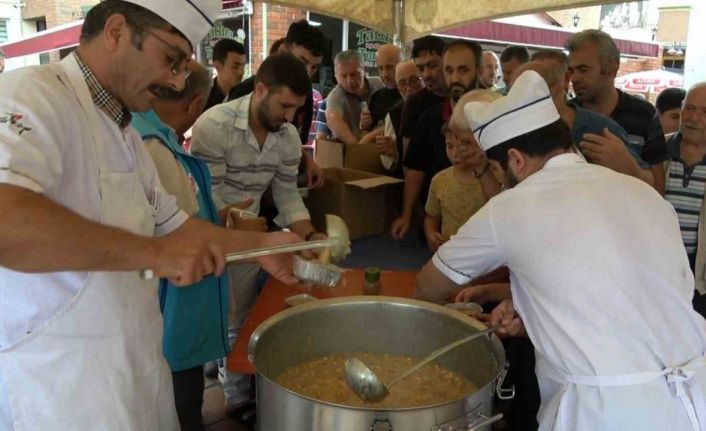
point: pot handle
(503, 393)
(485, 422)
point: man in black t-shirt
(426, 53)
(386, 58)
(426, 154)
(229, 62)
(594, 60)
(308, 44)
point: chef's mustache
(164, 92)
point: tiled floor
(214, 417)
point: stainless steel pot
(372, 324)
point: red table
(271, 302)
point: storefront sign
(224, 30)
(367, 42)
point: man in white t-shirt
(599, 277)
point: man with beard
(686, 175)
(593, 62)
(426, 154)
(426, 53)
(249, 145)
(307, 43)
(600, 280)
(489, 70)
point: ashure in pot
(379, 325)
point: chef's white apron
(667, 400)
(97, 364)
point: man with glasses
(86, 227)
(389, 142)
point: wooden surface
(271, 302)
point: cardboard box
(361, 157)
(360, 198)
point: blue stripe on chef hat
(527, 107)
(193, 18)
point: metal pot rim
(273, 320)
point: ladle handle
(440, 351)
(265, 251)
(276, 249)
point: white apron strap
(680, 380)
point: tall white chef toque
(193, 18)
(527, 107)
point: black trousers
(521, 411)
(188, 396)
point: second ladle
(366, 384)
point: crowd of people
(569, 209)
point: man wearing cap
(80, 328)
(604, 296)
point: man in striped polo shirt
(249, 145)
(686, 181)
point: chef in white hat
(80, 331)
(599, 279)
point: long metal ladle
(366, 384)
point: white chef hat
(527, 107)
(193, 18)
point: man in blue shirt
(195, 317)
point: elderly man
(229, 61)
(686, 175)
(594, 60)
(489, 70)
(426, 154)
(350, 98)
(250, 145)
(387, 58)
(511, 58)
(565, 232)
(81, 338)
(389, 142)
(194, 317)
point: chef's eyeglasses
(177, 65)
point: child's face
(462, 149)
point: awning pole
(398, 16)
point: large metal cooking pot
(372, 324)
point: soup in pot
(323, 379)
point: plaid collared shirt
(102, 98)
